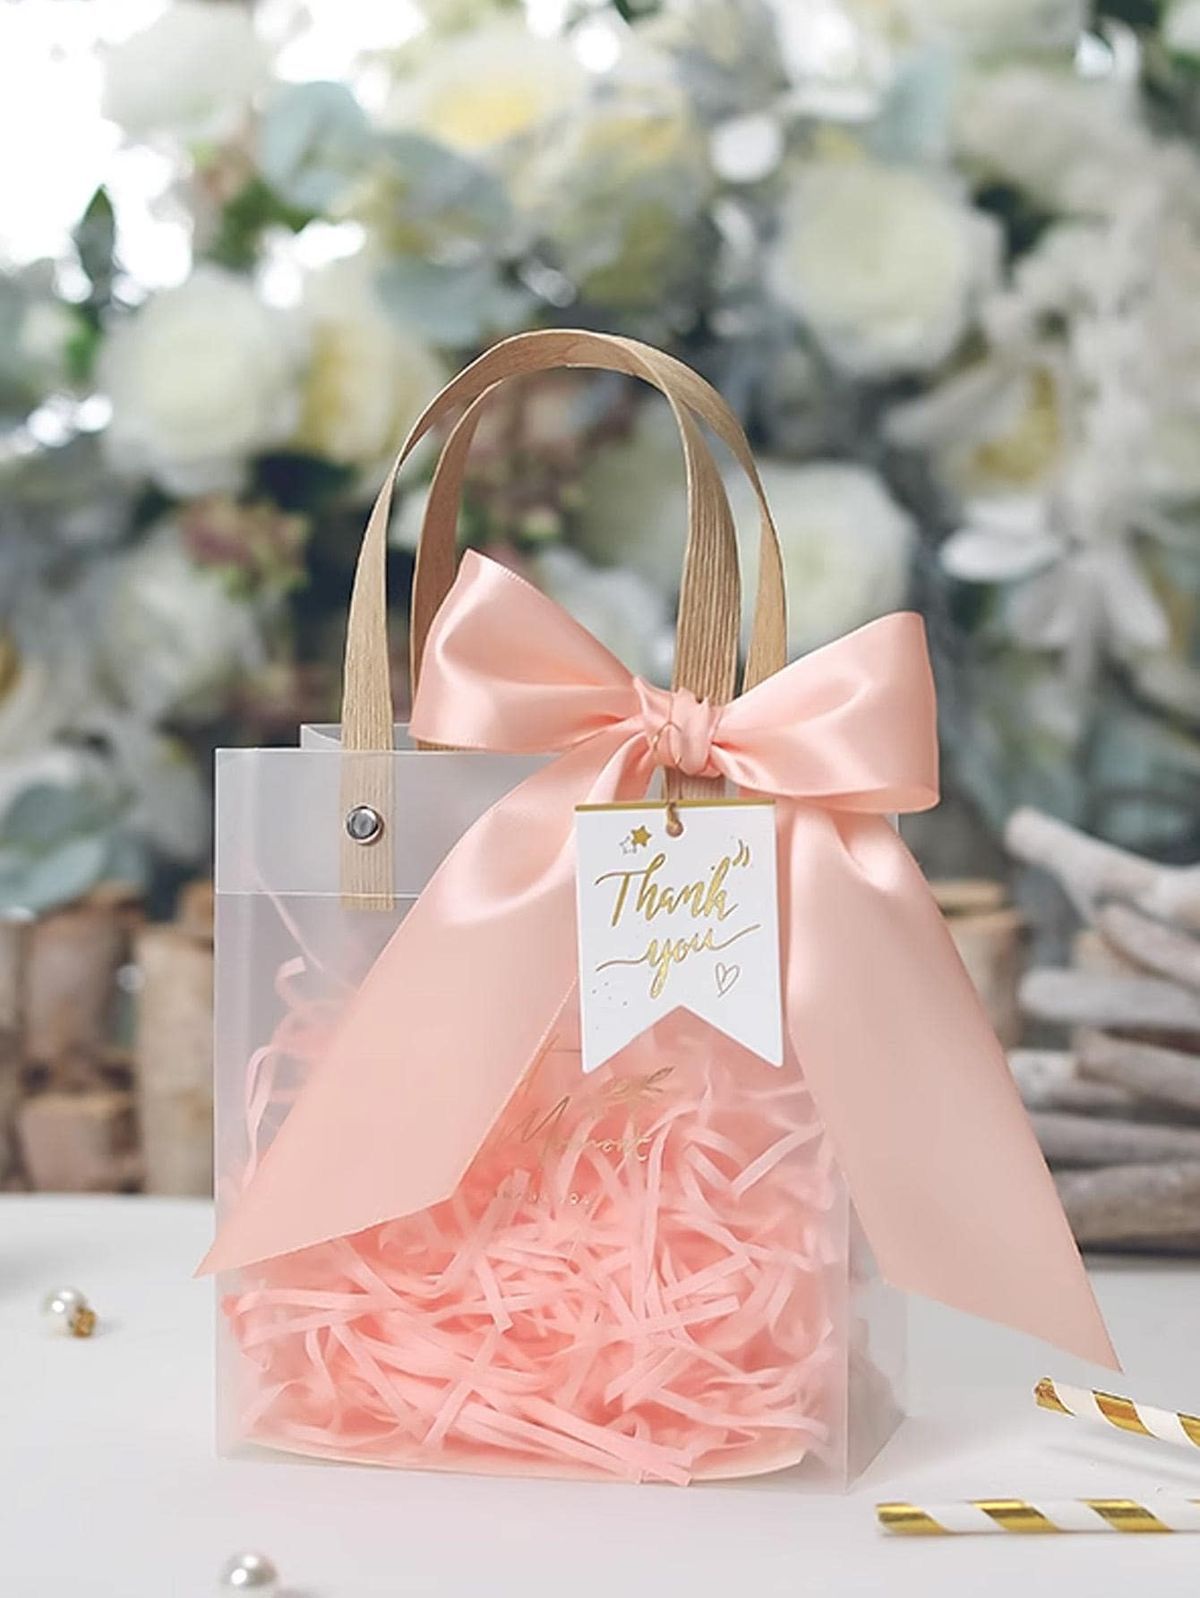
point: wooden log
(1182, 1244)
(1086, 998)
(1090, 951)
(968, 896)
(1092, 871)
(1123, 1203)
(14, 943)
(79, 1142)
(174, 1060)
(1051, 1079)
(14, 938)
(988, 935)
(1167, 1076)
(196, 910)
(1151, 944)
(70, 978)
(11, 1094)
(1068, 1139)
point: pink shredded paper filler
(631, 1281)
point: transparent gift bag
(441, 1244)
(528, 1324)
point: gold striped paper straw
(1023, 1518)
(1084, 1403)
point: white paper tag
(666, 921)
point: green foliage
(57, 844)
(299, 482)
(636, 10)
(81, 350)
(451, 304)
(1134, 13)
(95, 240)
(432, 195)
(253, 209)
(313, 142)
(1022, 219)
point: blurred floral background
(943, 256)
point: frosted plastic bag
(442, 1245)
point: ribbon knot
(679, 728)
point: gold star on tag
(639, 837)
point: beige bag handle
(437, 546)
(709, 615)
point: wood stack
(988, 934)
(74, 1122)
(106, 1048)
(12, 961)
(1117, 1109)
(174, 1046)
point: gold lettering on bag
(549, 1130)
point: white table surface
(109, 1487)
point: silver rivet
(364, 824)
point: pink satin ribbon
(880, 1015)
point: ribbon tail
(924, 1116)
(443, 1027)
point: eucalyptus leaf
(432, 184)
(126, 861)
(452, 304)
(31, 367)
(43, 816)
(1143, 780)
(18, 387)
(41, 882)
(914, 123)
(95, 239)
(313, 142)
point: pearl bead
(67, 1312)
(250, 1571)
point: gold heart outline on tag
(726, 976)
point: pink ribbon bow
(880, 1015)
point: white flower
(1079, 592)
(747, 148)
(632, 501)
(174, 641)
(193, 73)
(992, 26)
(1003, 541)
(39, 697)
(624, 612)
(456, 16)
(1181, 27)
(618, 193)
(476, 91)
(998, 426)
(45, 336)
(1071, 144)
(169, 804)
(847, 546)
(1169, 345)
(200, 378)
(884, 264)
(369, 377)
(839, 55)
